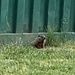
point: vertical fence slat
(51, 14)
(61, 15)
(36, 16)
(66, 15)
(42, 8)
(20, 16)
(46, 7)
(26, 16)
(57, 26)
(12, 15)
(72, 16)
(4, 9)
(31, 15)
(0, 12)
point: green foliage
(52, 40)
(62, 37)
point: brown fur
(39, 41)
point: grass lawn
(25, 60)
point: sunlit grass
(26, 60)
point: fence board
(46, 7)
(42, 9)
(72, 17)
(57, 12)
(51, 14)
(66, 15)
(28, 15)
(12, 15)
(61, 6)
(4, 9)
(20, 16)
(31, 15)
(0, 14)
(36, 16)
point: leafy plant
(53, 40)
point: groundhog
(39, 42)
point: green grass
(26, 60)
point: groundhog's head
(43, 37)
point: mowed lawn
(26, 60)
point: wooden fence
(34, 16)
